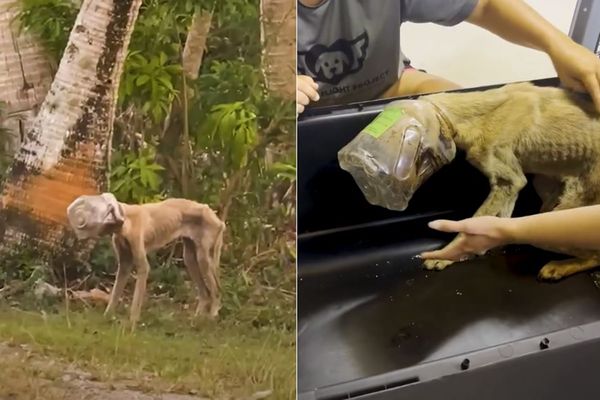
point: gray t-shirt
(351, 48)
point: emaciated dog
(505, 133)
(139, 229)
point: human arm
(306, 90)
(515, 21)
(574, 228)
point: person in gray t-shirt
(349, 50)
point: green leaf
(227, 127)
(142, 79)
(155, 167)
(129, 85)
(166, 81)
(154, 94)
(138, 60)
(120, 170)
(154, 181)
(238, 149)
(118, 185)
(157, 113)
(213, 124)
(162, 58)
(154, 63)
(144, 177)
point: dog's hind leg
(191, 263)
(506, 177)
(124, 264)
(578, 192)
(206, 252)
(555, 270)
(549, 189)
(142, 270)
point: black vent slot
(368, 390)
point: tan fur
(521, 128)
(139, 229)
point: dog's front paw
(437, 265)
(552, 271)
(550, 274)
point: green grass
(171, 351)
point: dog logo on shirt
(331, 64)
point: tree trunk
(67, 150)
(25, 76)
(195, 43)
(174, 141)
(278, 38)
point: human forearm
(575, 228)
(578, 68)
(517, 22)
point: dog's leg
(124, 264)
(142, 271)
(578, 192)
(549, 189)
(556, 270)
(191, 263)
(207, 248)
(506, 178)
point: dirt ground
(31, 376)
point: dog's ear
(114, 213)
(318, 66)
(346, 61)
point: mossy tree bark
(25, 76)
(67, 150)
(278, 37)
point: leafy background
(221, 139)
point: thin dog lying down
(505, 133)
(139, 229)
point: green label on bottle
(384, 121)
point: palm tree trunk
(278, 38)
(176, 129)
(195, 43)
(67, 150)
(25, 76)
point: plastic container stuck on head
(393, 155)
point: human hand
(479, 234)
(577, 67)
(306, 90)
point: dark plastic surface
(566, 373)
(561, 372)
(372, 324)
(371, 309)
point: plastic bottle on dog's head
(393, 155)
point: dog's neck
(466, 106)
(117, 229)
(446, 127)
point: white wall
(471, 56)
